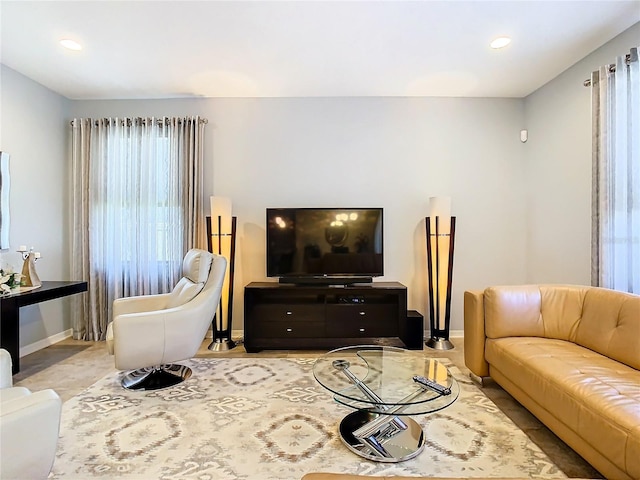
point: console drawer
(361, 320)
(289, 329)
(288, 313)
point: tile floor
(71, 366)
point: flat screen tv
(324, 245)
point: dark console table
(288, 316)
(10, 317)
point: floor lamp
(441, 229)
(221, 239)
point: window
(136, 197)
(616, 175)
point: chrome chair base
(222, 345)
(157, 377)
(395, 445)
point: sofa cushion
(605, 321)
(610, 325)
(551, 311)
(593, 395)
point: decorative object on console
(9, 280)
(221, 239)
(29, 275)
(441, 228)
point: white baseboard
(236, 334)
(44, 343)
(58, 337)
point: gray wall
(558, 169)
(34, 133)
(389, 152)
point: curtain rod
(612, 69)
(159, 121)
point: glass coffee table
(385, 385)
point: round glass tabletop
(388, 380)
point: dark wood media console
(288, 316)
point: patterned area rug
(267, 418)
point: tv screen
(316, 242)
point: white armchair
(29, 427)
(150, 332)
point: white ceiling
(162, 49)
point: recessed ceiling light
(500, 42)
(70, 44)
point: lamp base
(439, 343)
(222, 345)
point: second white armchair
(29, 427)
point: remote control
(441, 389)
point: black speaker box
(413, 334)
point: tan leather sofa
(571, 356)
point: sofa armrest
(142, 303)
(474, 333)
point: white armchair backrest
(197, 265)
(184, 332)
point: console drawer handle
(362, 329)
(362, 313)
(289, 312)
(289, 329)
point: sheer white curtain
(615, 103)
(137, 208)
